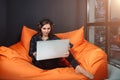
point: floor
(114, 73)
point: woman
(45, 29)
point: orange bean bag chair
(15, 63)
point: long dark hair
(42, 23)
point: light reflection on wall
(115, 9)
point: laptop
(52, 49)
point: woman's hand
(79, 69)
(67, 54)
(34, 54)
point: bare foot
(79, 69)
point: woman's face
(46, 29)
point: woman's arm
(32, 48)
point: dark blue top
(50, 63)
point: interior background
(66, 14)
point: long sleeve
(32, 46)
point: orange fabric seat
(15, 63)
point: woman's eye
(48, 28)
(44, 28)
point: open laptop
(52, 49)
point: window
(103, 27)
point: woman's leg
(72, 60)
(80, 69)
(77, 67)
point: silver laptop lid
(52, 49)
